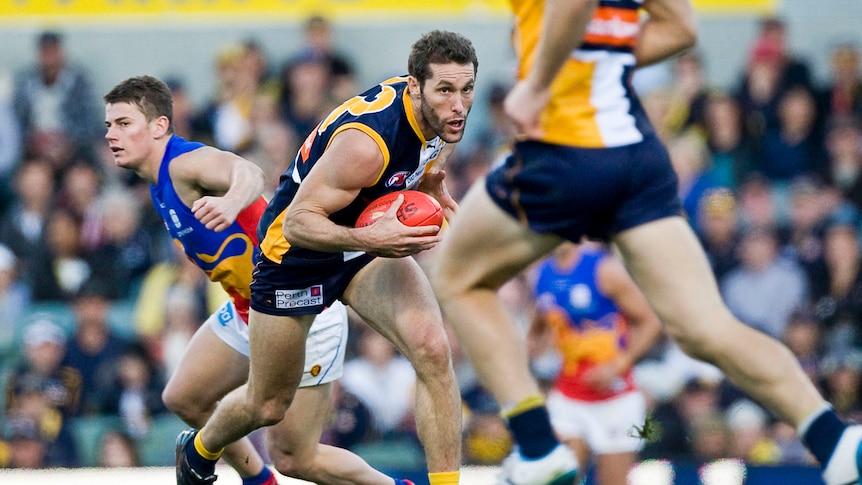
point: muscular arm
(352, 161)
(563, 27)
(216, 184)
(670, 29)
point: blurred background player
(601, 325)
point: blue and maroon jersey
(227, 257)
(587, 327)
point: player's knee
(290, 466)
(431, 354)
(271, 411)
(189, 410)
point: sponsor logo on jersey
(397, 179)
(306, 297)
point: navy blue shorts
(300, 287)
(592, 192)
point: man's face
(129, 134)
(445, 99)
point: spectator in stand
(63, 267)
(94, 350)
(80, 186)
(45, 393)
(225, 121)
(55, 104)
(836, 284)
(842, 382)
(843, 170)
(802, 337)
(319, 41)
(718, 230)
(732, 151)
(117, 449)
(306, 95)
(842, 95)
(26, 448)
(764, 276)
(385, 382)
(810, 205)
(184, 111)
(688, 94)
(770, 72)
(22, 227)
(273, 142)
(137, 391)
(758, 205)
(794, 146)
(125, 250)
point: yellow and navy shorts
(593, 192)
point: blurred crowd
(98, 304)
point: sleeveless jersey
(385, 113)
(227, 257)
(585, 323)
(593, 104)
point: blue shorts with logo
(302, 287)
(592, 192)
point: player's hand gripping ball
(418, 209)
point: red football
(418, 209)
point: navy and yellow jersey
(385, 113)
(593, 104)
(587, 326)
(227, 257)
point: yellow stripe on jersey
(274, 245)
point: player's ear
(162, 125)
(413, 86)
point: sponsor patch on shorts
(225, 315)
(311, 296)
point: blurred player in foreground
(387, 139)
(588, 163)
(211, 202)
(601, 325)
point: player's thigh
(299, 432)
(208, 370)
(667, 262)
(277, 359)
(394, 297)
(485, 246)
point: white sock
(842, 468)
